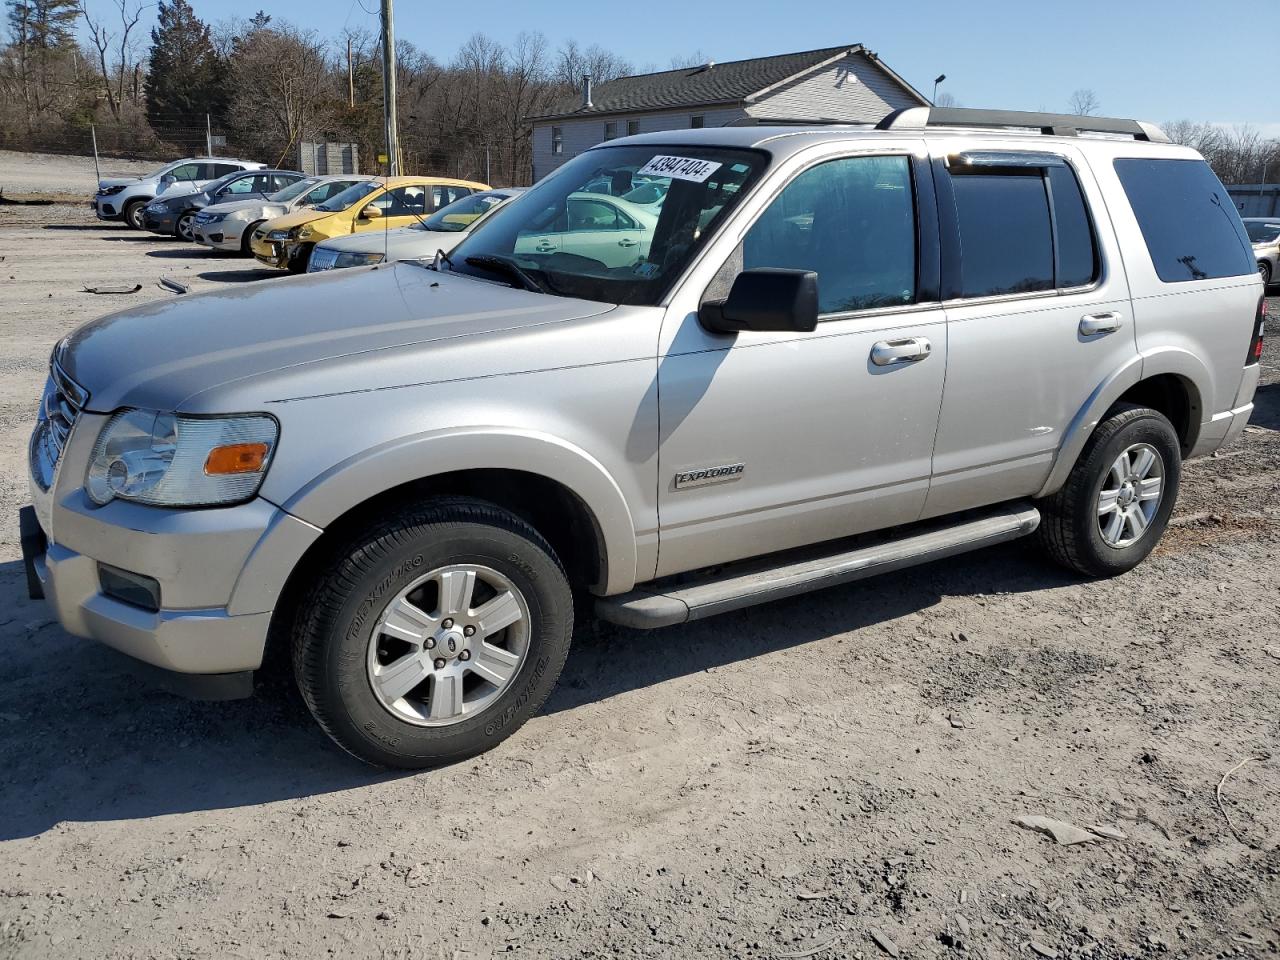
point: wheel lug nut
(468, 631)
(465, 655)
(431, 643)
(447, 623)
(439, 663)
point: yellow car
(384, 204)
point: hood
(403, 243)
(106, 182)
(167, 352)
(181, 188)
(298, 217)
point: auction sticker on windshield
(679, 168)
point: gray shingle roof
(729, 82)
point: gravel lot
(796, 780)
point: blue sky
(1171, 60)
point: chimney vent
(586, 90)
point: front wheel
(185, 228)
(246, 238)
(1117, 500)
(133, 213)
(434, 636)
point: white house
(847, 83)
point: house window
(697, 121)
(611, 129)
(633, 127)
(557, 139)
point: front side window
(557, 139)
(611, 130)
(576, 243)
(852, 221)
(1191, 227)
(243, 185)
(1261, 231)
(1022, 229)
(186, 171)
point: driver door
(772, 440)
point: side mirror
(765, 298)
(168, 179)
(370, 213)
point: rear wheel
(1117, 500)
(434, 636)
(1264, 269)
(133, 213)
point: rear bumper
(1225, 428)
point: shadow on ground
(180, 253)
(239, 276)
(127, 750)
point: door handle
(627, 242)
(887, 353)
(1095, 323)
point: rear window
(1191, 227)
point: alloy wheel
(1130, 495)
(184, 227)
(446, 647)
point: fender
(1172, 360)
(418, 457)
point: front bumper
(222, 235)
(164, 222)
(106, 208)
(219, 571)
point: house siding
(852, 88)
(580, 135)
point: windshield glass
(1262, 231)
(349, 196)
(212, 188)
(292, 190)
(462, 213)
(577, 239)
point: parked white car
(124, 198)
(442, 231)
(230, 225)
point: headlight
(278, 235)
(212, 217)
(112, 191)
(157, 207)
(357, 260)
(166, 459)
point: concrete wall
(321, 159)
(853, 88)
(1256, 200)
(580, 135)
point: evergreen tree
(43, 24)
(259, 21)
(186, 77)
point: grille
(63, 400)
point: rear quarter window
(1190, 225)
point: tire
(246, 238)
(349, 665)
(299, 263)
(133, 213)
(188, 217)
(1264, 269)
(1073, 526)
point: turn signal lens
(236, 458)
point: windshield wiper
(507, 267)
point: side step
(746, 584)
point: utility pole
(389, 89)
(351, 78)
(208, 136)
(93, 132)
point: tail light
(1255, 345)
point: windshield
(349, 196)
(212, 188)
(1262, 231)
(575, 240)
(292, 190)
(460, 214)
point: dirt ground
(796, 780)
(51, 173)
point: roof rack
(1052, 124)
(794, 122)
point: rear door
(1038, 313)
(773, 440)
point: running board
(745, 584)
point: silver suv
(832, 352)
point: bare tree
(687, 61)
(946, 100)
(116, 51)
(1084, 103)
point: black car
(173, 216)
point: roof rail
(793, 122)
(1054, 124)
